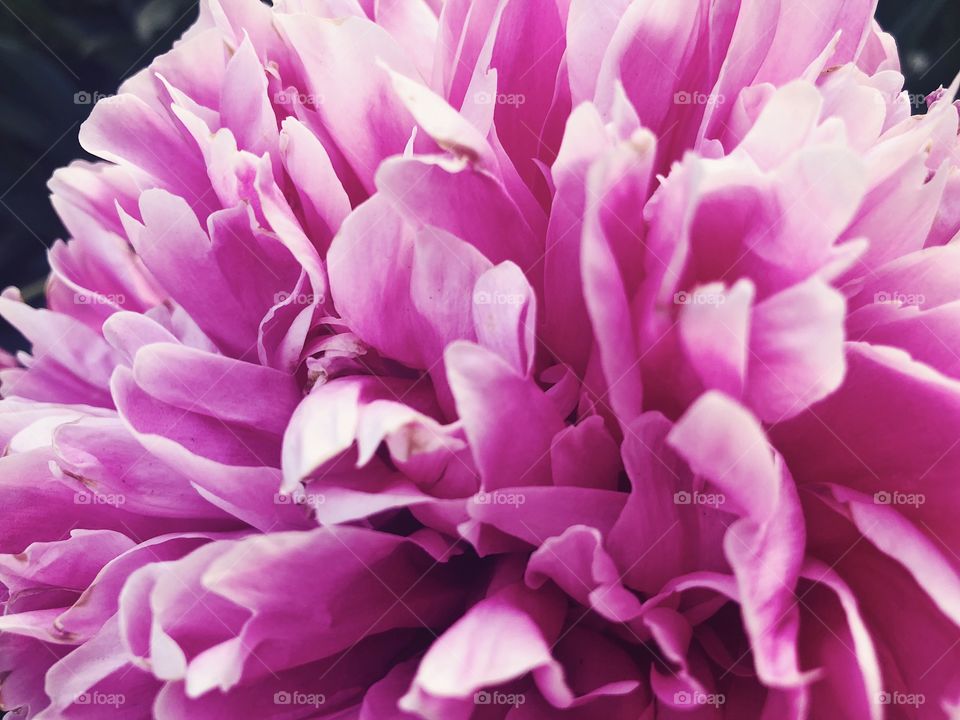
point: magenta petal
(309, 165)
(232, 390)
(113, 133)
(505, 315)
(716, 335)
(168, 220)
(612, 263)
(487, 392)
(112, 463)
(505, 638)
(433, 287)
(248, 113)
(795, 362)
(725, 444)
(472, 204)
(324, 49)
(567, 326)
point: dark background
(50, 50)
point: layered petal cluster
(495, 359)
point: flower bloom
(470, 360)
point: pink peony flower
(473, 360)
